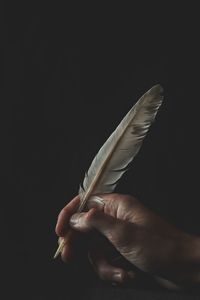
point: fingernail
(74, 219)
(96, 200)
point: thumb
(112, 228)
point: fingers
(113, 229)
(108, 272)
(109, 203)
(62, 225)
(94, 219)
(106, 223)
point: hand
(142, 237)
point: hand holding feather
(119, 150)
(128, 242)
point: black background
(60, 105)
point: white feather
(112, 160)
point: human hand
(142, 237)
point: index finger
(64, 216)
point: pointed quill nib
(60, 247)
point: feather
(114, 157)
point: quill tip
(56, 254)
(60, 248)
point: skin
(120, 224)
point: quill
(112, 160)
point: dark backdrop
(60, 104)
